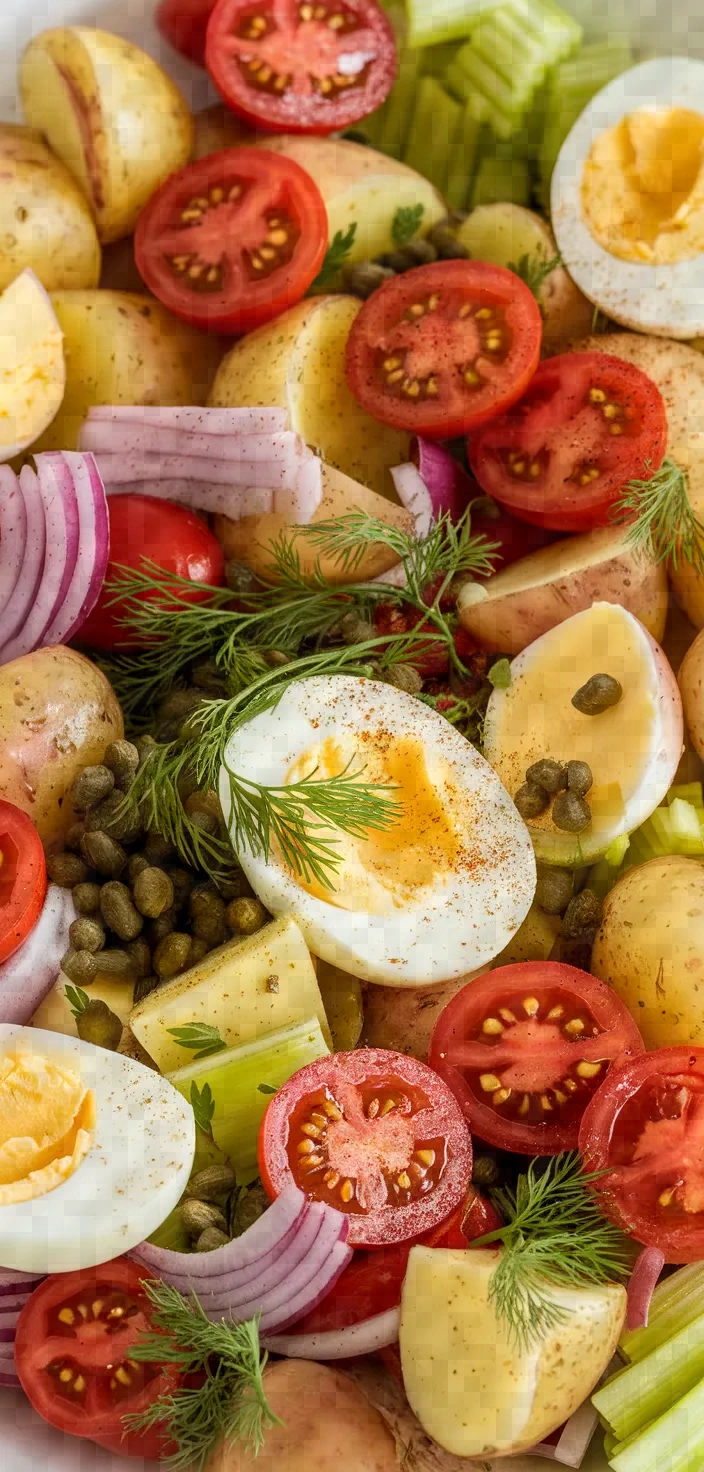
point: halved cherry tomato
(72, 1351)
(294, 67)
(22, 878)
(515, 538)
(525, 1047)
(587, 425)
(374, 1133)
(645, 1126)
(442, 348)
(184, 23)
(143, 527)
(233, 239)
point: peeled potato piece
(47, 224)
(32, 370)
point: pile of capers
(215, 1209)
(565, 785)
(555, 893)
(440, 244)
(142, 915)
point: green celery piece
(397, 111)
(602, 877)
(431, 22)
(502, 179)
(435, 60)
(463, 158)
(234, 1077)
(435, 121)
(673, 1443)
(686, 826)
(689, 792)
(642, 1392)
(571, 85)
(676, 1302)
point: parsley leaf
(335, 257)
(201, 1036)
(203, 1107)
(500, 674)
(77, 999)
(534, 270)
(266, 1089)
(406, 223)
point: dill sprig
(554, 1233)
(334, 259)
(664, 523)
(230, 1404)
(534, 269)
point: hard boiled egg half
(95, 1151)
(435, 894)
(627, 198)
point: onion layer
(646, 1271)
(30, 972)
(20, 1287)
(339, 1344)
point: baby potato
(691, 683)
(650, 949)
(109, 111)
(216, 128)
(47, 223)
(124, 348)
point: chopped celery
(673, 1443)
(436, 118)
(504, 63)
(676, 1302)
(463, 158)
(688, 792)
(686, 826)
(642, 1392)
(235, 1078)
(433, 21)
(435, 60)
(571, 85)
(500, 178)
(605, 873)
(394, 118)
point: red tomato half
(525, 1047)
(587, 425)
(294, 67)
(22, 878)
(374, 1133)
(142, 527)
(442, 348)
(85, 1323)
(232, 240)
(184, 23)
(645, 1125)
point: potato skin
(650, 949)
(57, 714)
(403, 1019)
(691, 683)
(328, 1424)
(51, 228)
(125, 348)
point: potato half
(109, 111)
(47, 224)
(32, 369)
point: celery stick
(686, 827)
(396, 114)
(435, 60)
(689, 792)
(674, 1443)
(502, 179)
(435, 121)
(235, 1077)
(433, 21)
(605, 873)
(463, 158)
(644, 1391)
(676, 1302)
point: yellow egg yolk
(47, 1120)
(383, 870)
(643, 186)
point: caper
(240, 578)
(74, 836)
(199, 949)
(210, 1239)
(207, 911)
(173, 711)
(600, 693)
(548, 774)
(576, 953)
(116, 962)
(579, 778)
(553, 890)
(142, 987)
(86, 898)
(246, 915)
(104, 853)
(448, 247)
(213, 1183)
(183, 881)
(116, 817)
(86, 934)
(122, 759)
(145, 745)
(365, 277)
(66, 870)
(80, 966)
(234, 886)
(136, 866)
(97, 1024)
(355, 629)
(153, 892)
(171, 954)
(485, 1171)
(161, 927)
(140, 955)
(246, 1207)
(404, 677)
(119, 911)
(571, 813)
(207, 675)
(157, 848)
(582, 913)
(276, 659)
(531, 800)
(197, 1216)
(90, 787)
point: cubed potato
(47, 224)
(56, 1014)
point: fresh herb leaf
(266, 1089)
(663, 520)
(555, 1233)
(499, 674)
(534, 270)
(231, 1403)
(203, 1105)
(335, 257)
(600, 321)
(198, 1035)
(77, 999)
(406, 223)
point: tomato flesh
(645, 1126)
(444, 347)
(22, 878)
(144, 527)
(524, 1049)
(373, 1133)
(72, 1351)
(587, 425)
(184, 23)
(299, 67)
(233, 239)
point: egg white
(133, 1175)
(666, 300)
(453, 926)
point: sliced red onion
(647, 1269)
(104, 436)
(24, 592)
(262, 1238)
(415, 496)
(32, 970)
(13, 533)
(307, 1297)
(339, 1344)
(93, 543)
(61, 552)
(118, 468)
(235, 1289)
(300, 502)
(21, 1289)
(449, 486)
(12, 1281)
(194, 420)
(9, 1379)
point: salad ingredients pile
(352, 742)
